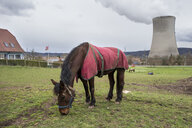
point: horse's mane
(65, 71)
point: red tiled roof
(6, 36)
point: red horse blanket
(102, 59)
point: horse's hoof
(87, 102)
(108, 98)
(91, 107)
(117, 102)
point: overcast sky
(64, 24)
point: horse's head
(65, 95)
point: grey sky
(63, 24)
(15, 7)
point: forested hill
(182, 51)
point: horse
(85, 62)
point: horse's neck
(77, 62)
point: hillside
(182, 51)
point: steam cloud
(15, 7)
(137, 10)
(143, 11)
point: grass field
(160, 100)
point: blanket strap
(102, 60)
(93, 54)
(117, 56)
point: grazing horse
(86, 61)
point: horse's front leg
(92, 89)
(87, 100)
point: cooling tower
(163, 42)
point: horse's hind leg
(120, 84)
(92, 90)
(111, 82)
(86, 90)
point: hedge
(31, 63)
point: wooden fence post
(39, 63)
(6, 62)
(24, 62)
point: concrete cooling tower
(163, 42)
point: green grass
(26, 100)
(162, 75)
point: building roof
(8, 42)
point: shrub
(3, 62)
(57, 64)
(43, 64)
(32, 63)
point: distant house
(9, 47)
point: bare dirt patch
(25, 117)
(183, 86)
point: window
(18, 56)
(2, 56)
(6, 44)
(12, 45)
(11, 57)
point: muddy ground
(21, 118)
(183, 86)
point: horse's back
(113, 58)
(100, 59)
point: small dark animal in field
(86, 61)
(131, 70)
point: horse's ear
(54, 82)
